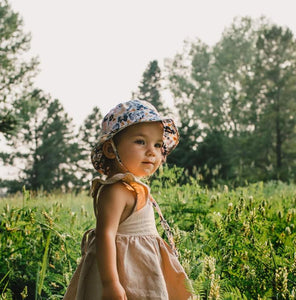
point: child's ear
(108, 150)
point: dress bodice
(140, 222)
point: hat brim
(170, 141)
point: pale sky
(94, 52)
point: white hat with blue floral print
(127, 114)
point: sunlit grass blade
(44, 265)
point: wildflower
(281, 281)
(215, 288)
(73, 218)
(293, 268)
(244, 255)
(264, 203)
(24, 293)
(249, 272)
(213, 200)
(198, 225)
(48, 218)
(246, 228)
(290, 215)
(237, 213)
(241, 203)
(7, 208)
(288, 230)
(209, 266)
(186, 266)
(225, 188)
(253, 215)
(53, 284)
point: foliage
(45, 149)
(239, 98)
(150, 87)
(275, 124)
(88, 136)
(47, 229)
(247, 236)
(15, 72)
(234, 244)
(235, 103)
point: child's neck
(111, 174)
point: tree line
(234, 102)
(237, 103)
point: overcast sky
(94, 52)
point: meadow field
(235, 243)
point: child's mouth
(148, 163)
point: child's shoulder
(118, 197)
(116, 190)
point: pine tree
(88, 136)
(150, 87)
(46, 150)
(56, 152)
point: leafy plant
(233, 244)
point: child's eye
(140, 142)
(158, 145)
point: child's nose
(151, 150)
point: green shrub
(234, 244)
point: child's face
(140, 148)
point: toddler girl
(124, 257)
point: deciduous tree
(16, 72)
(243, 90)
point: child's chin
(143, 174)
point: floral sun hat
(127, 114)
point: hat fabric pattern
(127, 114)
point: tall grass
(40, 242)
(234, 243)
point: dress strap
(165, 226)
(86, 240)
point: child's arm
(114, 204)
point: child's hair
(127, 114)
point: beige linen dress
(146, 265)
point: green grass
(40, 242)
(234, 244)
